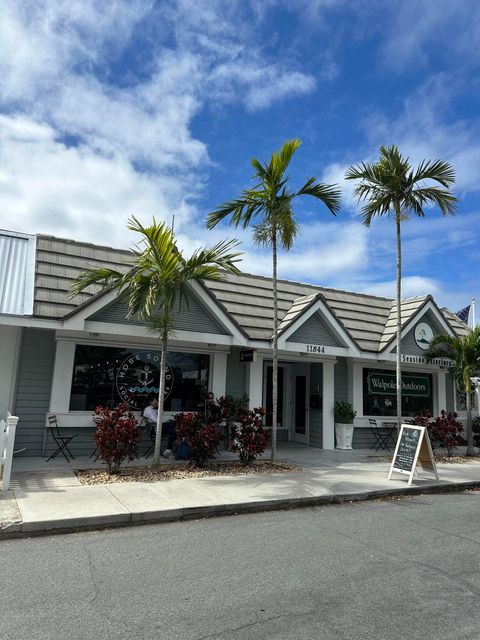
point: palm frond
(444, 200)
(436, 170)
(329, 194)
(102, 277)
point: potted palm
(344, 415)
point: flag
(463, 314)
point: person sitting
(150, 413)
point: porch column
(357, 388)
(62, 376)
(10, 339)
(255, 383)
(219, 374)
(328, 404)
(441, 396)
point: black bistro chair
(61, 442)
(381, 439)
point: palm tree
(464, 352)
(392, 186)
(157, 281)
(269, 207)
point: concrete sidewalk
(45, 499)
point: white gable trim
(429, 306)
(78, 321)
(332, 322)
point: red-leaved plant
(116, 436)
(445, 431)
(202, 433)
(248, 438)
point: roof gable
(429, 310)
(188, 316)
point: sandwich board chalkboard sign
(413, 447)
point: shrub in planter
(344, 413)
(201, 433)
(248, 438)
(116, 435)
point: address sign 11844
(315, 348)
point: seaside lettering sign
(413, 447)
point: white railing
(7, 438)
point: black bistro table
(391, 433)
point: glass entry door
(267, 395)
(299, 412)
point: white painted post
(7, 449)
(441, 399)
(357, 388)
(328, 405)
(255, 383)
(219, 374)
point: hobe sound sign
(139, 376)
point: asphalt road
(394, 569)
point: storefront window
(379, 393)
(109, 375)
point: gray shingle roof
(368, 319)
(249, 299)
(59, 262)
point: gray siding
(236, 384)
(450, 393)
(363, 438)
(33, 388)
(409, 346)
(341, 380)
(194, 317)
(315, 331)
(316, 415)
(83, 443)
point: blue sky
(154, 108)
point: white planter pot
(344, 436)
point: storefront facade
(66, 357)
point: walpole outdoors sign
(138, 377)
(385, 384)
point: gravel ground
(176, 471)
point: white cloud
(74, 192)
(80, 153)
(418, 32)
(411, 286)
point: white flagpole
(472, 309)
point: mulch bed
(182, 472)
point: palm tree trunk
(275, 350)
(468, 390)
(399, 317)
(161, 401)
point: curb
(17, 529)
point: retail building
(65, 356)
